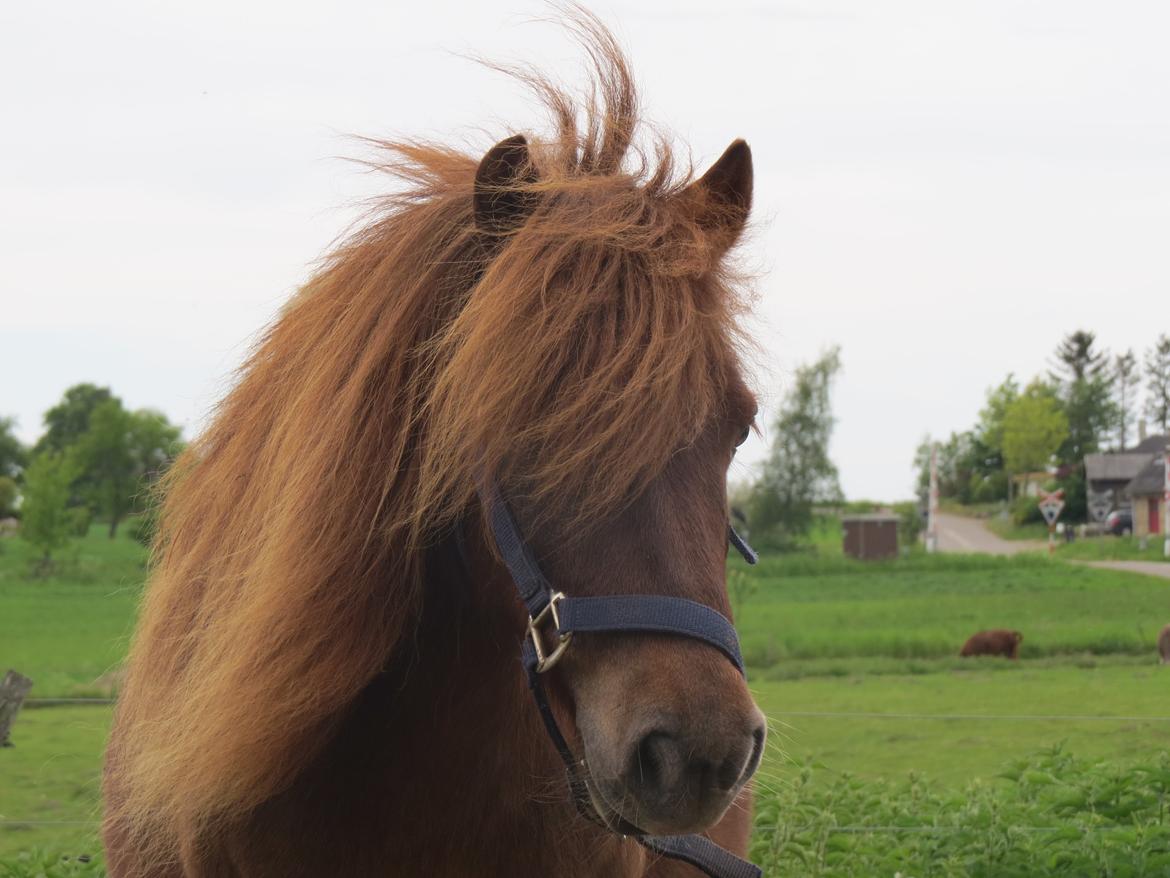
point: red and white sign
(1051, 505)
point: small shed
(870, 537)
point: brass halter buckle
(546, 660)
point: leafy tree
(1083, 382)
(12, 453)
(798, 472)
(8, 494)
(1033, 429)
(991, 416)
(1157, 368)
(988, 474)
(121, 454)
(107, 462)
(154, 442)
(1125, 382)
(957, 464)
(68, 420)
(45, 518)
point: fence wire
(813, 714)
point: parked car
(1119, 523)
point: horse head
(665, 729)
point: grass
(1005, 528)
(68, 630)
(822, 634)
(1113, 549)
(1047, 814)
(804, 611)
(50, 782)
(954, 752)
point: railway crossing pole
(932, 503)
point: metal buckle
(545, 662)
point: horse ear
(501, 200)
(723, 195)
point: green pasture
(1114, 549)
(829, 642)
(50, 783)
(831, 615)
(68, 630)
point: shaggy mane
(568, 359)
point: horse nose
(669, 773)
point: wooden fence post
(13, 688)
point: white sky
(944, 189)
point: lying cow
(1164, 645)
(1000, 641)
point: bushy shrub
(41, 864)
(910, 523)
(80, 518)
(8, 494)
(1026, 510)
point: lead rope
(616, 613)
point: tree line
(1089, 401)
(96, 458)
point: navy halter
(553, 619)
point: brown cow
(1164, 645)
(997, 641)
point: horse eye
(743, 437)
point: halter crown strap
(649, 613)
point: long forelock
(570, 359)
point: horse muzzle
(670, 780)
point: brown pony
(997, 641)
(321, 682)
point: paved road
(957, 533)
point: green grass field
(806, 612)
(1113, 549)
(830, 643)
(67, 631)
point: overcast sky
(942, 189)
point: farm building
(1145, 492)
(1115, 471)
(870, 537)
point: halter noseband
(553, 619)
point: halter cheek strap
(553, 619)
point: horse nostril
(729, 772)
(664, 768)
(759, 735)
(655, 761)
